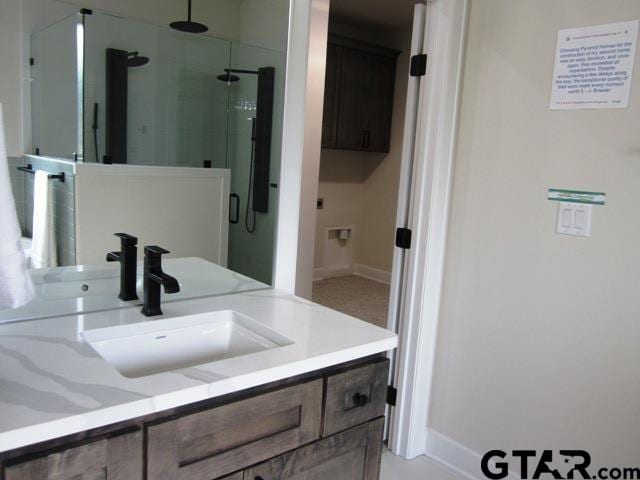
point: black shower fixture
(228, 76)
(187, 25)
(134, 59)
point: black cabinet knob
(360, 400)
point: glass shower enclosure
(127, 92)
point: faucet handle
(127, 240)
(155, 249)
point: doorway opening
(368, 56)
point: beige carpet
(356, 296)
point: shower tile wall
(63, 206)
(177, 108)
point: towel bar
(29, 169)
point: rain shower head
(228, 77)
(187, 25)
(135, 60)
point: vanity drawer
(225, 439)
(350, 455)
(116, 458)
(355, 396)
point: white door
(402, 256)
(426, 177)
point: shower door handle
(236, 216)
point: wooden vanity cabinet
(350, 455)
(216, 442)
(322, 425)
(117, 457)
(359, 91)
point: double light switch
(574, 219)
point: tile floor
(421, 468)
(356, 296)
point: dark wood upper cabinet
(330, 96)
(359, 89)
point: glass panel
(176, 108)
(251, 240)
(56, 88)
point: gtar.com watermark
(551, 464)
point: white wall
(538, 339)
(193, 224)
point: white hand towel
(16, 288)
(43, 248)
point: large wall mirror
(170, 136)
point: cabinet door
(352, 99)
(350, 455)
(379, 106)
(215, 442)
(330, 112)
(115, 458)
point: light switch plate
(574, 219)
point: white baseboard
(319, 273)
(357, 269)
(322, 272)
(456, 457)
(372, 273)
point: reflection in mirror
(171, 137)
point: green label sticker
(574, 196)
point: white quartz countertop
(54, 384)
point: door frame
(419, 302)
(428, 217)
(301, 142)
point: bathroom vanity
(93, 397)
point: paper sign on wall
(594, 66)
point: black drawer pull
(360, 400)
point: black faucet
(154, 277)
(128, 257)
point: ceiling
(378, 13)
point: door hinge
(392, 395)
(418, 65)
(403, 238)
(32, 61)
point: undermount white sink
(157, 346)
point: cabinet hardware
(360, 400)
